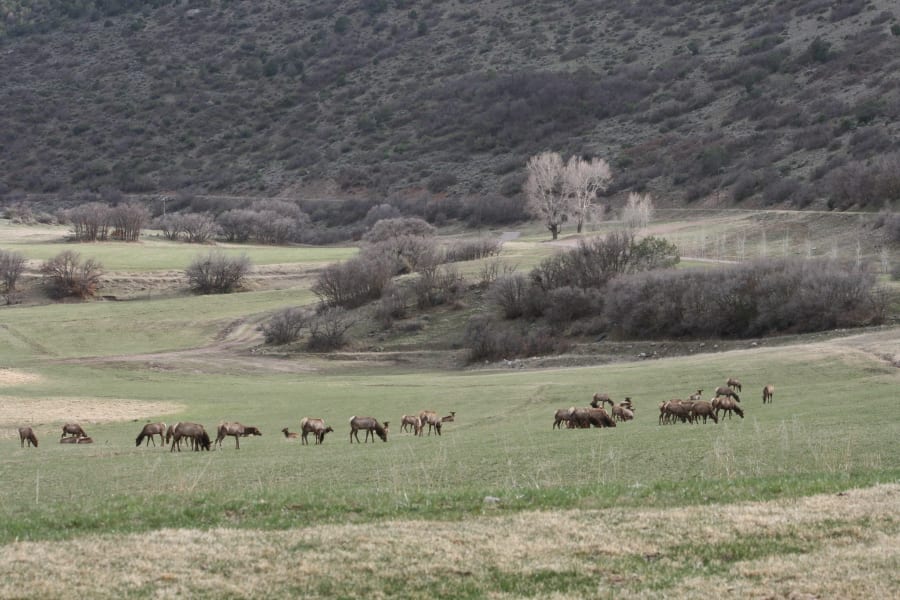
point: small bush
(65, 275)
(217, 273)
(437, 286)
(567, 304)
(509, 293)
(488, 340)
(390, 307)
(327, 330)
(386, 229)
(353, 282)
(285, 326)
(473, 249)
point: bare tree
(638, 210)
(199, 228)
(12, 264)
(327, 329)
(543, 189)
(582, 180)
(90, 221)
(284, 327)
(66, 275)
(128, 220)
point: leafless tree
(238, 225)
(546, 200)
(217, 273)
(128, 220)
(582, 180)
(638, 210)
(327, 329)
(169, 224)
(66, 275)
(199, 228)
(90, 221)
(12, 265)
(284, 327)
(353, 282)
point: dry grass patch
(843, 545)
(16, 411)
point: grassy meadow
(499, 506)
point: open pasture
(500, 505)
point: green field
(500, 505)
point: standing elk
(584, 418)
(411, 422)
(704, 409)
(235, 430)
(723, 390)
(73, 429)
(372, 427)
(316, 427)
(194, 431)
(600, 399)
(26, 434)
(768, 393)
(734, 384)
(149, 431)
(563, 415)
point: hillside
(793, 103)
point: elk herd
(196, 435)
(725, 402)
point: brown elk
(316, 427)
(72, 439)
(623, 411)
(411, 422)
(193, 431)
(26, 434)
(150, 431)
(563, 415)
(372, 427)
(676, 409)
(723, 390)
(599, 399)
(702, 408)
(235, 430)
(84, 440)
(726, 405)
(73, 429)
(583, 418)
(734, 384)
(697, 396)
(290, 434)
(768, 393)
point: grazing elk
(316, 427)
(411, 422)
(583, 418)
(600, 399)
(193, 431)
(723, 390)
(73, 429)
(702, 408)
(26, 434)
(676, 409)
(372, 427)
(726, 405)
(290, 434)
(623, 411)
(768, 393)
(149, 431)
(563, 415)
(734, 384)
(235, 430)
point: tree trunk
(554, 230)
(580, 225)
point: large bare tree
(582, 179)
(543, 189)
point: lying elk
(316, 427)
(193, 431)
(727, 391)
(290, 434)
(727, 405)
(235, 430)
(27, 434)
(704, 409)
(73, 429)
(697, 396)
(411, 422)
(734, 384)
(372, 427)
(768, 393)
(149, 431)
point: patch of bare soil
(9, 377)
(15, 412)
(843, 545)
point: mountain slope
(788, 103)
